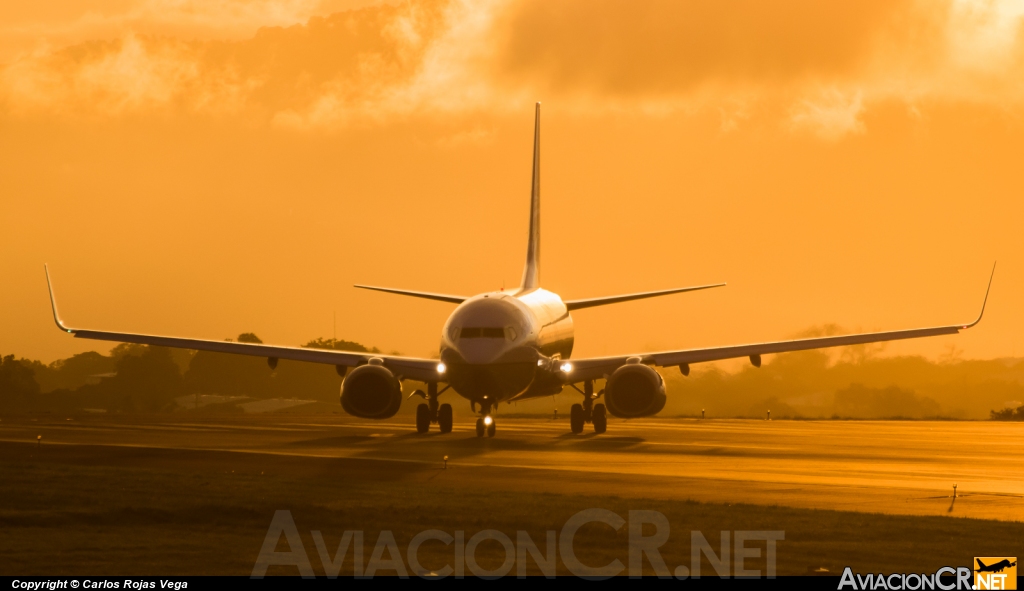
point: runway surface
(868, 466)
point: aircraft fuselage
(501, 346)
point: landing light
(540, 363)
(441, 368)
(488, 421)
(566, 367)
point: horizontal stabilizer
(591, 302)
(451, 299)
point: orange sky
(204, 168)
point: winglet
(53, 303)
(985, 301)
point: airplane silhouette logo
(994, 568)
(995, 572)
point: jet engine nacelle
(634, 390)
(371, 392)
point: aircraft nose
(485, 372)
(481, 351)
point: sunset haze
(211, 168)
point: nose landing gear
(485, 424)
(588, 412)
(432, 412)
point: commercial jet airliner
(511, 345)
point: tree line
(142, 378)
(830, 385)
(855, 382)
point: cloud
(742, 59)
(325, 70)
(831, 116)
(131, 75)
(665, 46)
(65, 23)
(106, 78)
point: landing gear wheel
(576, 418)
(422, 418)
(600, 419)
(491, 428)
(480, 427)
(444, 418)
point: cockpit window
(475, 332)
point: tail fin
(531, 274)
(981, 564)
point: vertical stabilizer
(531, 274)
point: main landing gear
(432, 412)
(588, 412)
(485, 424)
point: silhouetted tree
(18, 384)
(138, 378)
(122, 350)
(74, 371)
(229, 375)
(339, 345)
(848, 383)
(883, 403)
(1008, 414)
(239, 375)
(145, 383)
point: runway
(896, 467)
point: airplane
(994, 568)
(505, 346)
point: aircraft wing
(408, 367)
(601, 367)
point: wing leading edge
(600, 367)
(408, 367)
(441, 297)
(604, 301)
